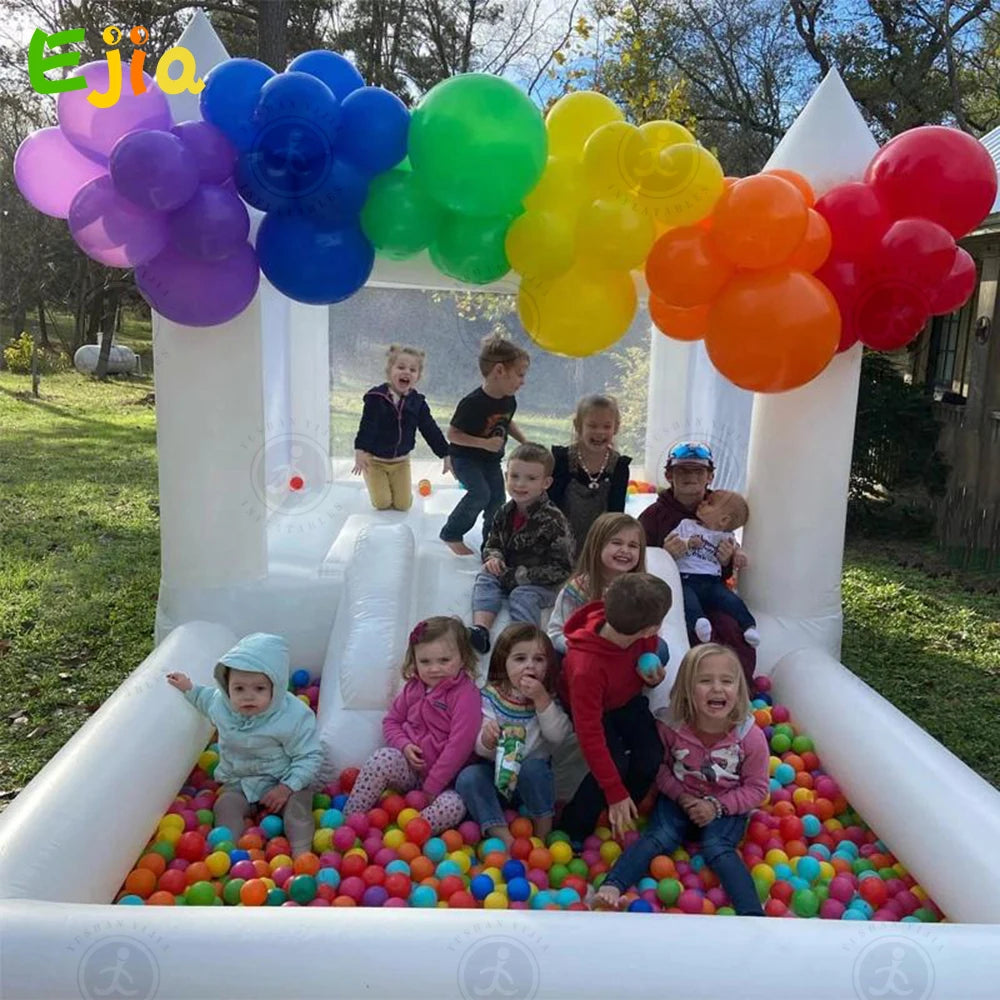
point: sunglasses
(690, 450)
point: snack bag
(510, 751)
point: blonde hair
(682, 693)
(434, 628)
(497, 350)
(595, 401)
(733, 505)
(590, 572)
(394, 352)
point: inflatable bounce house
(258, 534)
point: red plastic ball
(373, 875)
(418, 831)
(398, 885)
(347, 778)
(378, 818)
(393, 805)
(353, 864)
(873, 891)
(190, 846)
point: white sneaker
(752, 637)
(703, 629)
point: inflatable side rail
(918, 796)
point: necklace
(595, 478)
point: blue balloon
(313, 262)
(332, 68)
(230, 96)
(373, 129)
(341, 195)
(297, 95)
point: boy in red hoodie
(605, 692)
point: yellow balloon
(573, 118)
(562, 188)
(614, 234)
(540, 244)
(661, 133)
(681, 184)
(579, 313)
(606, 161)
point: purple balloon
(199, 293)
(49, 170)
(154, 169)
(211, 226)
(111, 229)
(213, 152)
(94, 131)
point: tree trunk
(109, 320)
(18, 320)
(43, 329)
(272, 18)
(34, 367)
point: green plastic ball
(668, 891)
(231, 893)
(201, 894)
(302, 888)
(802, 744)
(805, 903)
(780, 743)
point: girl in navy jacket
(393, 412)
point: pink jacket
(734, 769)
(443, 721)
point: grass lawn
(79, 571)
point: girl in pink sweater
(431, 726)
(714, 774)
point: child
(478, 433)
(590, 477)
(614, 545)
(527, 552)
(393, 413)
(706, 535)
(431, 726)
(714, 774)
(522, 717)
(268, 748)
(689, 469)
(613, 723)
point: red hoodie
(600, 676)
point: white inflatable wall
(244, 553)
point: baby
(711, 545)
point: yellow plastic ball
(833, 824)
(919, 892)
(393, 838)
(218, 863)
(495, 901)
(803, 795)
(171, 822)
(775, 857)
(562, 853)
(826, 870)
(602, 833)
(772, 764)
(763, 873)
(681, 855)
(610, 852)
(494, 873)
(404, 817)
(537, 842)
(280, 861)
(171, 834)
(900, 869)
(461, 859)
(207, 760)
(322, 840)
(269, 882)
(353, 850)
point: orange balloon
(759, 221)
(684, 268)
(799, 181)
(772, 331)
(681, 324)
(812, 252)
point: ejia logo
(39, 64)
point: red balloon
(937, 173)
(841, 277)
(889, 312)
(857, 218)
(919, 248)
(954, 291)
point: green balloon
(399, 217)
(478, 144)
(471, 248)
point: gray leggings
(232, 807)
(526, 602)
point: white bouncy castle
(243, 405)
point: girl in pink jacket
(431, 726)
(714, 774)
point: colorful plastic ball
(353, 887)
(566, 897)
(805, 903)
(481, 886)
(784, 773)
(648, 664)
(219, 835)
(423, 896)
(374, 895)
(300, 678)
(561, 851)
(807, 868)
(519, 888)
(495, 901)
(668, 891)
(276, 897)
(640, 906)
(461, 900)
(302, 888)
(424, 487)
(133, 900)
(344, 838)
(272, 826)
(610, 851)
(515, 869)
(328, 876)
(190, 846)
(418, 830)
(690, 901)
(398, 866)
(469, 831)
(541, 899)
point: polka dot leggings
(388, 768)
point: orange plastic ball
(161, 898)
(156, 863)
(408, 851)
(452, 840)
(520, 827)
(141, 882)
(662, 867)
(197, 871)
(421, 868)
(306, 864)
(253, 892)
(540, 858)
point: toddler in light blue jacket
(269, 752)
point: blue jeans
(483, 482)
(703, 592)
(536, 791)
(668, 827)
(526, 601)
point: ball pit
(810, 855)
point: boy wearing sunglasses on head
(689, 471)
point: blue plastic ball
(541, 899)
(640, 906)
(446, 867)
(300, 678)
(865, 909)
(782, 871)
(339, 801)
(820, 851)
(423, 896)
(219, 834)
(648, 663)
(648, 883)
(435, 849)
(797, 883)
(808, 868)
(852, 914)
(481, 886)
(238, 855)
(331, 819)
(272, 826)
(518, 889)
(566, 897)
(697, 863)
(328, 876)
(513, 869)
(399, 865)
(811, 827)
(131, 900)
(784, 773)
(490, 845)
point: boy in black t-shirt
(478, 434)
